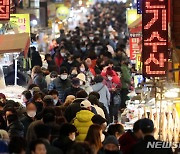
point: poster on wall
(155, 37)
(21, 22)
(4, 9)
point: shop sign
(138, 62)
(132, 16)
(21, 22)
(155, 37)
(62, 12)
(134, 47)
(4, 9)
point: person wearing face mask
(84, 84)
(59, 56)
(114, 89)
(66, 139)
(110, 146)
(61, 83)
(69, 63)
(29, 116)
(83, 68)
(54, 94)
(75, 87)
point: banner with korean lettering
(4, 9)
(134, 47)
(21, 22)
(155, 37)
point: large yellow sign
(132, 16)
(21, 22)
(62, 12)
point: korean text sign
(134, 47)
(155, 37)
(4, 9)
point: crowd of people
(73, 105)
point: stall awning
(14, 43)
(136, 26)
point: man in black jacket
(149, 145)
(72, 109)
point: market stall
(10, 47)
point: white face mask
(81, 83)
(72, 136)
(55, 101)
(64, 77)
(31, 114)
(109, 78)
(102, 137)
(70, 62)
(82, 69)
(91, 38)
(63, 54)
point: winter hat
(85, 104)
(82, 77)
(111, 140)
(109, 71)
(147, 125)
(97, 119)
(63, 70)
(75, 82)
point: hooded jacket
(82, 122)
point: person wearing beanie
(83, 121)
(75, 87)
(148, 130)
(61, 83)
(110, 146)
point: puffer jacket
(39, 80)
(60, 86)
(82, 122)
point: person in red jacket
(130, 138)
(115, 77)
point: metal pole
(15, 76)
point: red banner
(155, 37)
(134, 47)
(4, 9)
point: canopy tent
(14, 43)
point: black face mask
(111, 152)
